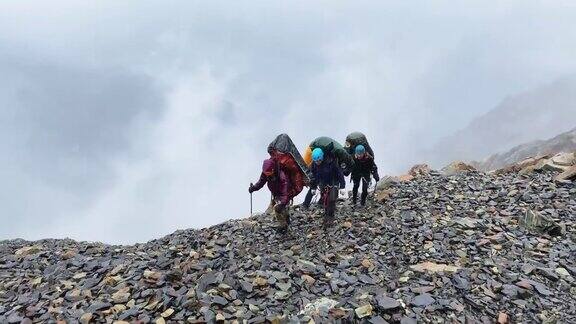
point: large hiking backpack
(284, 152)
(355, 139)
(330, 148)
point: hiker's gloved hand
(251, 188)
(376, 177)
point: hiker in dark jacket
(279, 185)
(364, 167)
(329, 178)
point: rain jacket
(278, 183)
(365, 166)
(327, 173)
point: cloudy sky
(122, 121)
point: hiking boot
(363, 198)
(328, 221)
(282, 218)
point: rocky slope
(468, 247)
(565, 142)
(536, 114)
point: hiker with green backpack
(364, 167)
(329, 179)
(354, 139)
(332, 151)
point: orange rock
(433, 267)
(259, 282)
(419, 169)
(366, 263)
(309, 280)
(524, 284)
(405, 178)
(569, 174)
(383, 195)
(503, 318)
(457, 167)
(69, 254)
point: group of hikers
(323, 169)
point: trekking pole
(251, 201)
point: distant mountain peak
(532, 115)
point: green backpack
(355, 139)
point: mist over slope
(125, 114)
(536, 114)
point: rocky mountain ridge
(451, 246)
(563, 143)
(538, 113)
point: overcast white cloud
(122, 121)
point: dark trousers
(330, 204)
(356, 179)
(329, 197)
